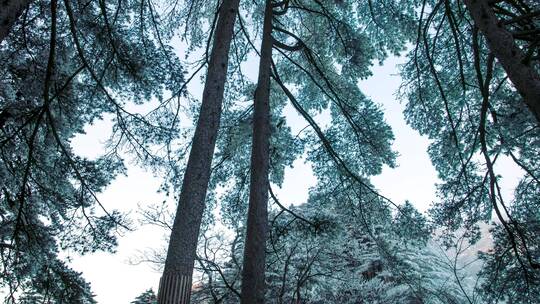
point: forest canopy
(470, 84)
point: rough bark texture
(183, 242)
(174, 288)
(10, 11)
(253, 284)
(501, 43)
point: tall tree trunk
(502, 44)
(10, 11)
(253, 285)
(175, 284)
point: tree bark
(10, 11)
(253, 284)
(501, 43)
(176, 282)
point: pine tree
(147, 297)
(64, 66)
(253, 278)
(460, 93)
(524, 77)
(56, 283)
(178, 271)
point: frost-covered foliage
(65, 65)
(322, 75)
(318, 75)
(459, 96)
(57, 283)
(505, 279)
(147, 297)
(327, 257)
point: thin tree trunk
(502, 44)
(175, 284)
(253, 284)
(10, 11)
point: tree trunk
(175, 284)
(501, 43)
(253, 285)
(10, 11)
